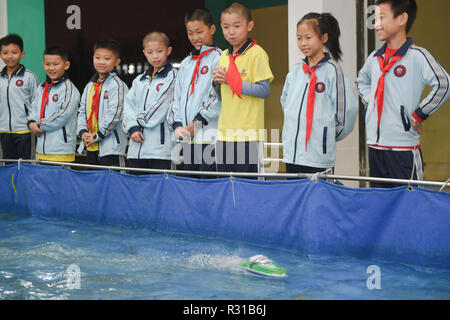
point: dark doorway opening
(125, 21)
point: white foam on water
(222, 262)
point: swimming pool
(117, 262)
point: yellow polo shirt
(242, 119)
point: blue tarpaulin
(406, 225)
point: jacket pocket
(117, 136)
(26, 109)
(163, 133)
(64, 134)
(405, 119)
(324, 141)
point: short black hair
(12, 39)
(57, 51)
(109, 44)
(200, 14)
(240, 8)
(401, 6)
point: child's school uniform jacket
(16, 95)
(146, 108)
(59, 121)
(333, 117)
(110, 114)
(390, 126)
(195, 96)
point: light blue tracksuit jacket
(335, 110)
(204, 104)
(146, 108)
(16, 95)
(404, 85)
(60, 118)
(110, 129)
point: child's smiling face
(105, 61)
(235, 29)
(157, 53)
(55, 66)
(386, 25)
(11, 55)
(199, 33)
(308, 41)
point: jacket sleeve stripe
(442, 79)
(340, 97)
(162, 99)
(119, 111)
(212, 98)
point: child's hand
(87, 138)
(137, 136)
(417, 127)
(181, 133)
(191, 129)
(220, 75)
(34, 127)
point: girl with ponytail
(318, 101)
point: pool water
(137, 263)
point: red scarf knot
(233, 76)
(197, 67)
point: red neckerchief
(233, 77)
(310, 101)
(197, 66)
(379, 94)
(44, 101)
(95, 104)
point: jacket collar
(323, 60)
(95, 77)
(19, 72)
(400, 52)
(243, 49)
(204, 48)
(57, 82)
(161, 73)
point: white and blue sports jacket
(335, 110)
(110, 115)
(204, 104)
(16, 95)
(60, 118)
(146, 108)
(404, 85)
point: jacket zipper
(7, 99)
(146, 95)
(324, 142)
(185, 105)
(43, 144)
(145, 103)
(162, 133)
(117, 136)
(64, 134)
(298, 123)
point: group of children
(215, 101)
